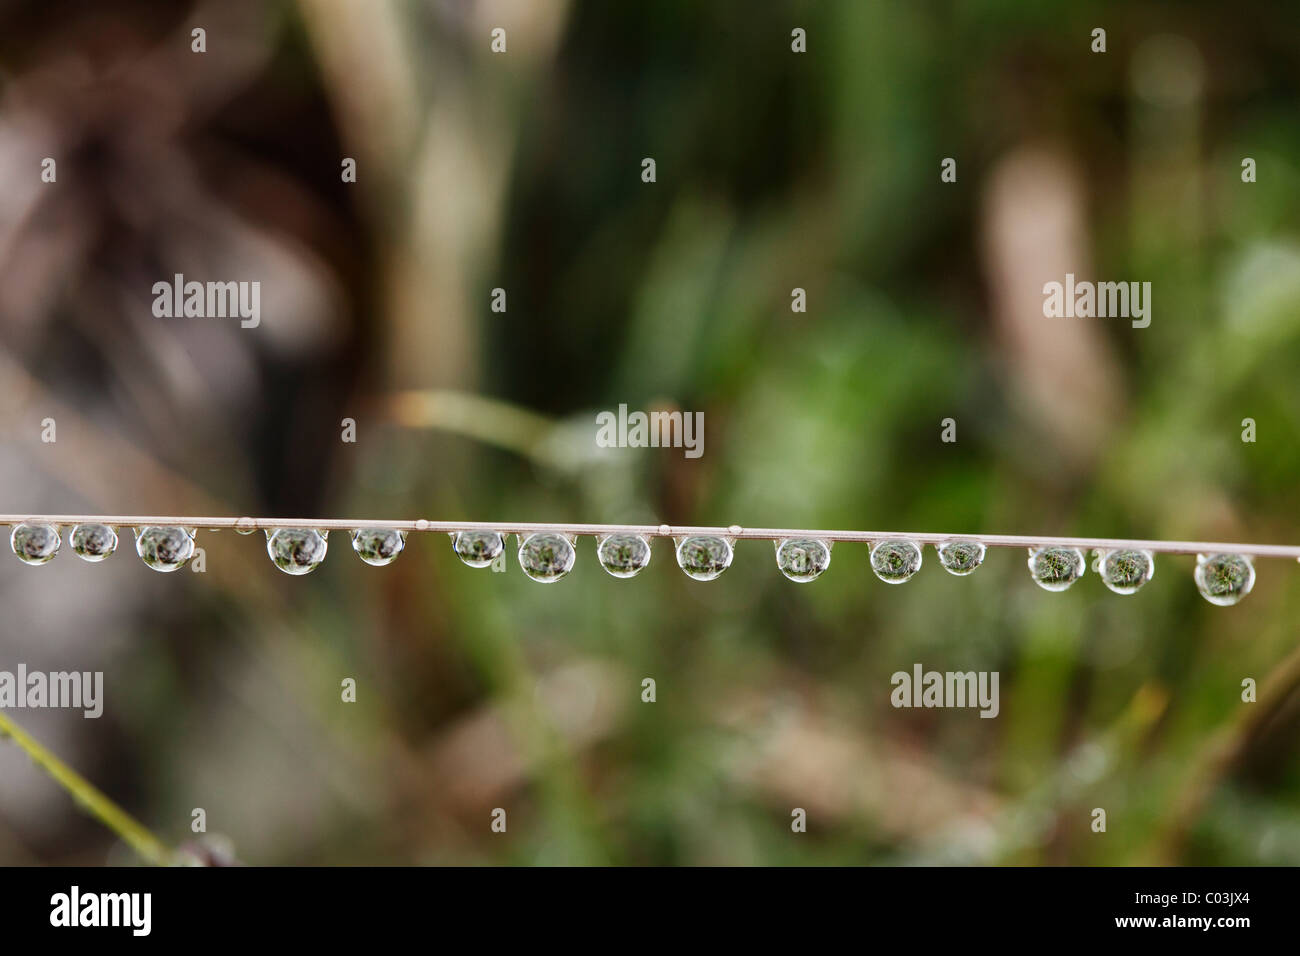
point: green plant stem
(1223, 753)
(89, 797)
(488, 420)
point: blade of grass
(1222, 754)
(489, 420)
(89, 797)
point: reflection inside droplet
(623, 554)
(803, 559)
(546, 556)
(296, 550)
(895, 559)
(378, 546)
(478, 549)
(34, 543)
(1224, 579)
(93, 542)
(164, 548)
(704, 556)
(1125, 570)
(959, 556)
(1055, 568)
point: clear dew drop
(704, 556)
(960, 557)
(164, 548)
(623, 554)
(93, 542)
(245, 525)
(895, 560)
(1125, 570)
(35, 543)
(378, 546)
(1056, 567)
(296, 550)
(1224, 579)
(546, 556)
(478, 549)
(803, 559)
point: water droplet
(704, 556)
(478, 549)
(296, 550)
(422, 524)
(960, 557)
(1224, 579)
(93, 542)
(245, 525)
(546, 556)
(35, 543)
(1056, 567)
(623, 554)
(802, 559)
(1125, 570)
(895, 560)
(378, 546)
(164, 548)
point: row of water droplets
(546, 556)
(1222, 579)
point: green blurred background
(775, 170)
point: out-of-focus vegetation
(775, 170)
